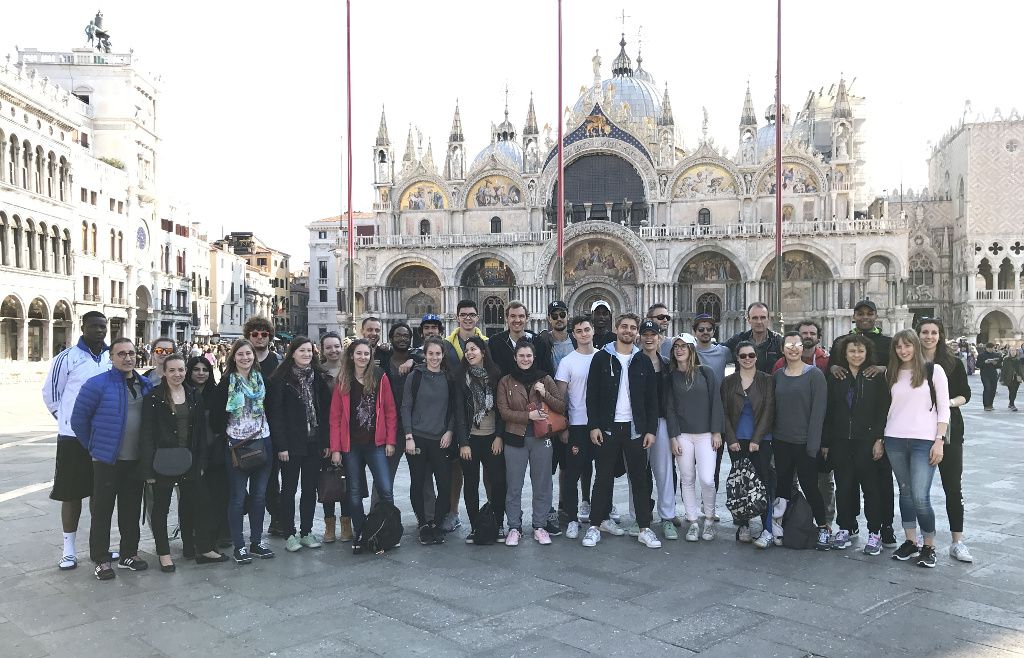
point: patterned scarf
(241, 389)
(483, 398)
(303, 378)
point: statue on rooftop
(96, 35)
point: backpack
(382, 529)
(798, 523)
(485, 529)
(745, 494)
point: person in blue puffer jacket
(107, 419)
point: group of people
(587, 399)
(996, 364)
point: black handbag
(249, 456)
(172, 462)
(332, 486)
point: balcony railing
(452, 239)
(999, 295)
(766, 229)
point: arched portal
(878, 271)
(711, 281)
(12, 319)
(603, 187)
(996, 327)
(419, 290)
(489, 280)
(38, 330)
(61, 327)
(806, 285)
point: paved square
(714, 598)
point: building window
(323, 269)
(323, 295)
(704, 217)
(424, 227)
(495, 224)
(321, 235)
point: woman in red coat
(363, 421)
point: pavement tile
(432, 613)
(620, 614)
(506, 631)
(538, 646)
(700, 630)
(798, 609)
(16, 642)
(978, 612)
(515, 594)
(603, 640)
(103, 638)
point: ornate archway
(12, 318)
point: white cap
(600, 302)
(686, 338)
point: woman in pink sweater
(914, 437)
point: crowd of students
(658, 409)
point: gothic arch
(460, 268)
(609, 230)
(600, 146)
(899, 263)
(621, 300)
(741, 263)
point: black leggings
(193, 514)
(307, 469)
(578, 468)
(793, 457)
(431, 457)
(951, 470)
(494, 471)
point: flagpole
(560, 189)
(351, 223)
(777, 301)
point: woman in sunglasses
(748, 397)
(951, 469)
(160, 349)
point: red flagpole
(560, 219)
(351, 226)
(777, 301)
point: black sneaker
(824, 539)
(926, 557)
(357, 548)
(907, 550)
(438, 534)
(470, 538)
(242, 556)
(104, 572)
(261, 551)
(888, 537)
(132, 564)
(275, 530)
(553, 528)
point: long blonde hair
(917, 364)
(691, 361)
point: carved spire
(666, 110)
(748, 117)
(382, 132)
(456, 134)
(622, 65)
(506, 132)
(841, 109)
(410, 148)
(428, 159)
(531, 120)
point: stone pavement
(713, 598)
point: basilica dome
(507, 152)
(637, 89)
(766, 134)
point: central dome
(642, 97)
(510, 153)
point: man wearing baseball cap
(601, 318)
(865, 321)
(714, 355)
(556, 338)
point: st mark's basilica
(651, 219)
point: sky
(252, 102)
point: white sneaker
(612, 528)
(614, 515)
(584, 514)
(709, 530)
(592, 537)
(572, 531)
(648, 538)
(693, 531)
(764, 541)
(958, 551)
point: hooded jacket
(603, 391)
(100, 413)
(864, 420)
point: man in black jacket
(767, 343)
(622, 415)
(989, 362)
(503, 345)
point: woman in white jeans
(695, 420)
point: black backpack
(745, 494)
(485, 529)
(798, 524)
(382, 529)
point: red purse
(553, 425)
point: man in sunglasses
(260, 332)
(658, 313)
(767, 343)
(711, 354)
(73, 475)
(556, 338)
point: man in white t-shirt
(573, 370)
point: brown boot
(346, 529)
(329, 530)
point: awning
(281, 335)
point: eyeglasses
(748, 355)
(705, 330)
(259, 334)
(558, 315)
(663, 317)
(467, 315)
(125, 355)
(163, 350)
(793, 346)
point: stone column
(22, 325)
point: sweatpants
(617, 440)
(535, 454)
(793, 457)
(855, 471)
(661, 464)
(697, 462)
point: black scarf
(527, 377)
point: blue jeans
(257, 497)
(356, 460)
(909, 459)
